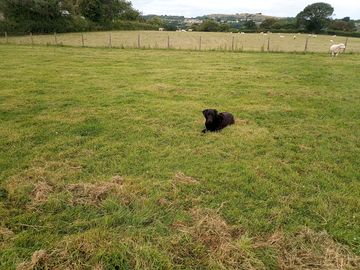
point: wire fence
(190, 41)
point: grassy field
(191, 41)
(103, 164)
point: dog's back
(227, 119)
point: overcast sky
(281, 8)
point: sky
(280, 8)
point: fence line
(236, 42)
(346, 41)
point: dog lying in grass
(216, 121)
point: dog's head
(210, 115)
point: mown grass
(274, 42)
(104, 166)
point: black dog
(216, 121)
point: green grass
(103, 163)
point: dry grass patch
(181, 178)
(224, 246)
(49, 172)
(5, 235)
(41, 192)
(308, 249)
(94, 194)
(38, 259)
(73, 252)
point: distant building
(2, 16)
(192, 21)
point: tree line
(46, 16)
(315, 18)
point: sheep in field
(336, 49)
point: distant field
(103, 164)
(191, 40)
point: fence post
(82, 39)
(6, 37)
(168, 42)
(232, 44)
(200, 43)
(346, 41)
(306, 44)
(55, 38)
(268, 45)
(110, 44)
(32, 40)
(139, 43)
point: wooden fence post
(82, 40)
(200, 43)
(55, 38)
(168, 42)
(6, 37)
(139, 42)
(346, 41)
(268, 44)
(110, 43)
(306, 44)
(233, 43)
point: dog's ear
(204, 111)
(216, 112)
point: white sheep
(336, 49)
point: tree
(40, 10)
(342, 25)
(108, 10)
(209, 26)
(315, 17)
(92, 10)
(268, 23)
(250, 24)
(156, 21)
